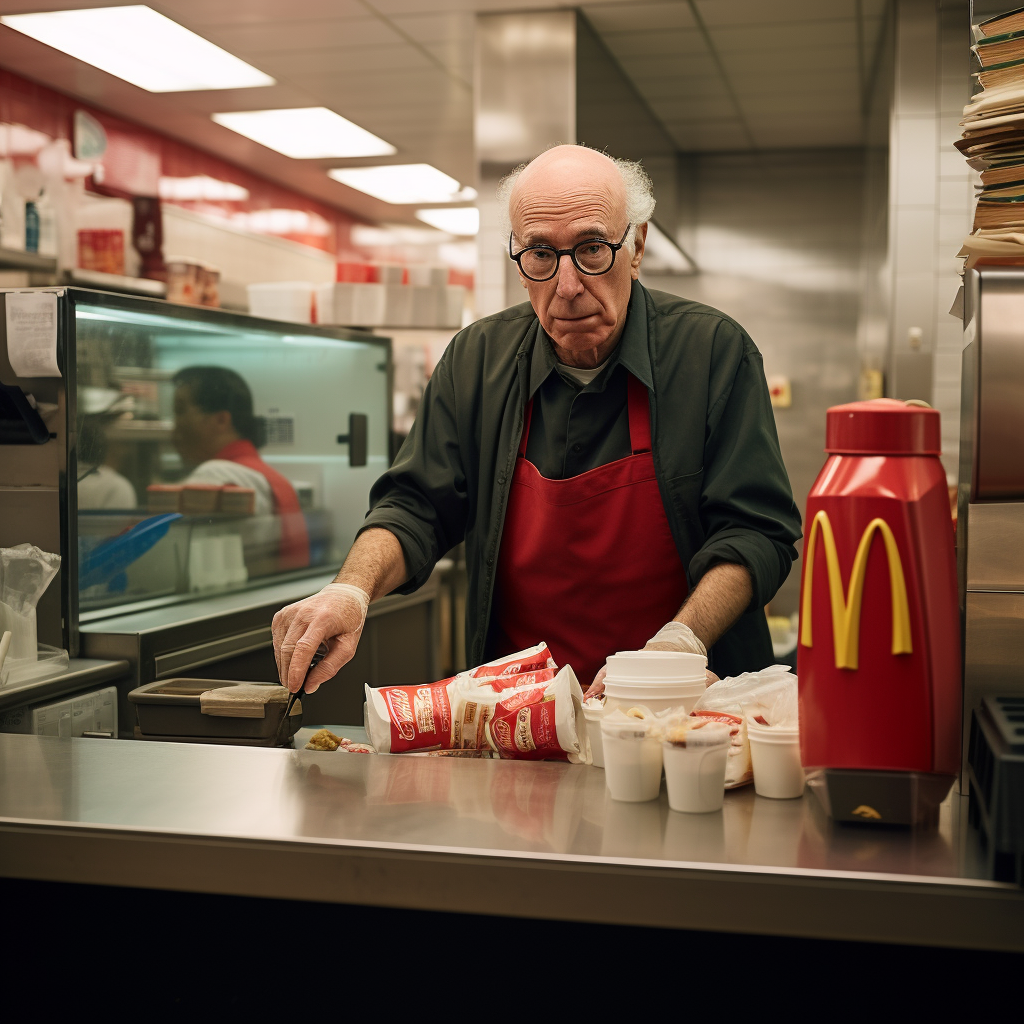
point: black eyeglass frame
(571, 253)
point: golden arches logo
(846, 610)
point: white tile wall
(931, 194)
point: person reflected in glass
(216, 431)
(100, 485)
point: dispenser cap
(882, 426)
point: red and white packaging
(739, 769)
(528, 714)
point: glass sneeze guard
(213, 452)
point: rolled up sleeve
(422, 498)
(747, 511)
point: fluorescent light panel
(140, 46)
(403, 183)
(305, 133)
(462, 220)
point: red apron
(588, 563)
(293, 551)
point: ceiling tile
(686, 66)
(628, 17)
(838, 58)
(651, 43)
(694, 107)
(253, 12)
(438, 28)
(811, 102)
(768, 38)
(331, 61)
(761, 12)
(303, 35)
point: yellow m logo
(846, 611)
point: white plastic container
(632, 759)
(695, 769)
(658, 680)
(775, 755)
(282, 300)
(594, 713)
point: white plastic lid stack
(658, 679)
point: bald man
(608, 454)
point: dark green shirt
(716, 455)
(576, 427)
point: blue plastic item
(108, 561)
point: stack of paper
(993, 143)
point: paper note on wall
(32, 333)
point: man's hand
(337, 615)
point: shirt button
(577, 448)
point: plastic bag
(48, 661)
(768, 696)
(25, 573)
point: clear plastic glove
(335, 615)
(673, 636)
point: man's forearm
(375, 563)
(722, 596)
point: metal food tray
(170, 710)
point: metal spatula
(318, 656)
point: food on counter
(770, 693)
(351, 747)
(527, 714)
(324, 739)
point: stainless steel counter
(525, 839)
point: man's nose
(569, 283)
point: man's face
(583, 314)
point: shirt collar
(632, 350)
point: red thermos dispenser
(878, 658)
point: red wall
(137, 157)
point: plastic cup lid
(700, 734)
(627, 727)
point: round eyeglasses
(592, 256)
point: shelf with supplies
(116, 283)
(16, 259)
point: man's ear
(640, 241)
(222, 420)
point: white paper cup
(593, 717)
(695, 773)
(632, 761)
(775, 756)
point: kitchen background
(802, 154)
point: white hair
(639, 196)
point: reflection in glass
(207, 453)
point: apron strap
(527, 416)
(638, 408)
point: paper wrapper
(534, 714)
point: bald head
(563, 175)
